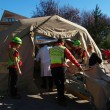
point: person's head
(61, 41)
(17, 42)
(89, 48)
(77, 43)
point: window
(10, 19)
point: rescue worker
(79, 52)
(14, 63)
(58, 53)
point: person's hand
(20, 72)
(80, 68)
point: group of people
(53, 66)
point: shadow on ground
(46, 101)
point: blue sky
(26, 7)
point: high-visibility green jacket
(57, 55)
(11, 61)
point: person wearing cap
(72, 45)
(79, 53)
(14, 63)
(58, 53)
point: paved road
(45, 102)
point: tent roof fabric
(53, 26)
(50, 26)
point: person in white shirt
(44, 57)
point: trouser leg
(59, 78)
(50, 82)
(44, 82)
(13, 81)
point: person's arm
(15, 55)
(17, 65)
(72, 58)
(85, 57)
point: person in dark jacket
(101, 82)
(94, 58)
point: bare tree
(70, 13)
(46, 8)
(50, 7)
(87, 20)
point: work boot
(62, 102)
(50, 90)
(108, 103)
(16, 97)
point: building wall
(8, 18)
(4, 27)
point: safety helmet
(17, 40)
(77, 43)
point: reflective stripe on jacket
(57, 55)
